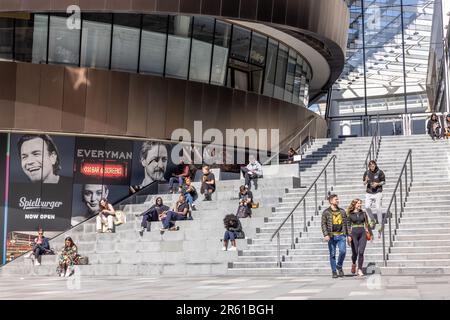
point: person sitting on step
(190, 193)
(245, 202)
(183, 172)
(68, 258)
(41, 246)
(105, 218)
(253, 171)
(180, 212)
(233, 231)
(291, 154)
(208, 183)
(152, 214)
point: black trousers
(359, 242)
(38, 251)
(147, 217)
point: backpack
(242, 212)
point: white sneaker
(68, 272)
(233, 249)
(360, 273)
(37, 263)
(62, 274)
(224, 248)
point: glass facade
(387, 58)
(201, 49)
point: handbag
(83, 260)
(120, 218)
(255, 205)
(369, 236)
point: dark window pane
(178, 46)
(223, 33)
(202, 38)
(220, 54)
(6, 38)
(24, 40)
(258, 51)
(280, 79)
(271, 64)
(240, 44)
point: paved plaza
(226, 288)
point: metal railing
(305, 138)
(303, 200)
(374, 148)
(402, 190)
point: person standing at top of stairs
(374, 179)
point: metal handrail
(374, 148)
(403, 199)
(301, 147)
(303, 199)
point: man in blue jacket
(41, 246)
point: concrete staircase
(413, 239)
(194, 250)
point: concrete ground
(227, 287)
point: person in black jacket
(359, 222)
(434, 127)
(245, 202)
(233, 231)
(374, 179)
(151, 214)
(336, 230)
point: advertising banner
(40, 188)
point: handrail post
(334, 172)
(411, 167)
(326, 185)
(406, 183)
(278, 250)
(396, 215)
(305, 228)
(390, 232)
(292, 232)
(401, 195)
(384, 243)
(315, 199)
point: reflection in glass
(220, 53)
(153, 44)
(178, 46)
(297, 80)
(96, 40)
(64, 43)
(280, 79)
(269, 81)
(40, 38)
(258, 50)
(289, 89)
(125, 47)
(240, 44)
(6, 38)
(202, 38)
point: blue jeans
(189, 199)
(229, 235)
(339, 241)
(173, 180)
(171, 216)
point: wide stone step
(421, 270)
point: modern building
(97, 77)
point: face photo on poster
(40, 158)
(40, 188)
(151, 163)
(86, 199)
(103, 161)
